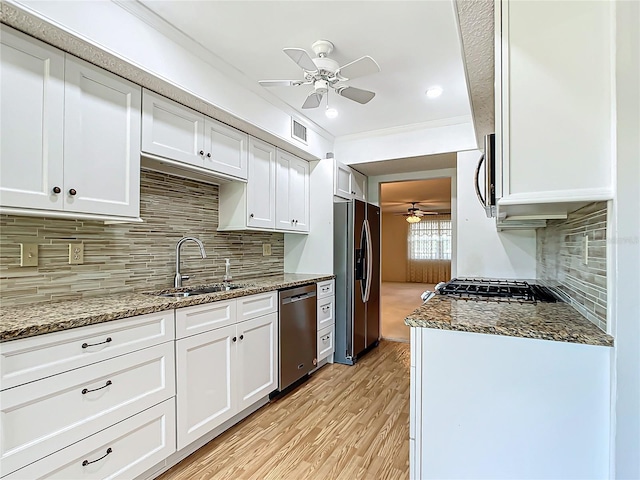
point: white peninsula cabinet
(275, 197)
(500, 407)
(182, 135)
(70, 135)
(93, 401)
(229, 366)
(553, 131)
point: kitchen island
(507, 390)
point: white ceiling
(415, 43)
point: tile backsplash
(560, 260)
(132, 256)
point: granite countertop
(546, 321)
(30, 320)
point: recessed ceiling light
(434, 92)
(331, 112)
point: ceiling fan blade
(356, 94)
(280, 83)
(301, 57)
(313, 100)
(359, 68)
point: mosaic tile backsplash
(560, 260)
(132, 257)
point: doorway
(416, 247)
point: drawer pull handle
(87, 345)
(87, 462)
(86, 390)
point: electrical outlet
(28, 254)
(76, 253)
(585, 250)
(266, 249)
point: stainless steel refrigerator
(356, 264)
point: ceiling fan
(323, 72)
(414, 214)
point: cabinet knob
(57, 189)
(201, 152)
(72, 191)
(241, 337)
(234, 339)
(251, 215)
(208, 155)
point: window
(430, 239)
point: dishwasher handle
(297, 298)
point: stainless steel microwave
(485, 178)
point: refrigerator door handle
(369, 258)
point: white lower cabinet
(325, 320)
(205, 366)
(124, 450)
(326, 346)
(41, 417)
(223, 371)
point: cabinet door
(225, 149)
(284, 216)
(205, 366)
(32, 108)
(342, 181)
(299, 194)
(261, 185)
(257, 373)
(101, 138)
(359, 184)
(172, 130)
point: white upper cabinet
(70, 134)
(261, 186)
(554, 70)
(32, 107)
(101, 136)
(348, 183)
(178, 133)
(292, 193)
(225, 149)
(172, 130)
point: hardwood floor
(344, 423)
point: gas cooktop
(494, 290)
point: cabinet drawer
(257, 305)
(42, 417)
(30, 359)
(202, 318)
(134, 445)
(325, 343)
(326, 289)
(326, 311)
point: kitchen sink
(199, 291)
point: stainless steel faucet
(177, 282)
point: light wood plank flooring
(397, 300)
(344, 423)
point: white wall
(313, 253)
(146, 44)
(451, 135)
(481, 249)
(624, 245)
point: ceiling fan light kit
(323, 73)
(413, 219)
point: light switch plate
(76, 253)
(266, 249)
(28, 254)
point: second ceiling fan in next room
(323, 72)
(414, 214)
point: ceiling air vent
(298, 131)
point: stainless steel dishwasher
(298, 333)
